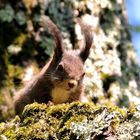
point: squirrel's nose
(72, 83)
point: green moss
(66, 121)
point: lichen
(76, 120)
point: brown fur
(60, 81)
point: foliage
(7, 14)
(135, 28)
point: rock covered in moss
(83, 121)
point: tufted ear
(46, 22)
(84, 53)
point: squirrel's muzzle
(72, 83)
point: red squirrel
(60, 80)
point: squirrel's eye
(60, 68)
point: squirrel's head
(66, 68)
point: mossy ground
(83, 121)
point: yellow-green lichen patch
(83, 121)
(8, 130)
(131, 127)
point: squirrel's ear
(86, 29)
(46, 22)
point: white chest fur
(60, 95)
